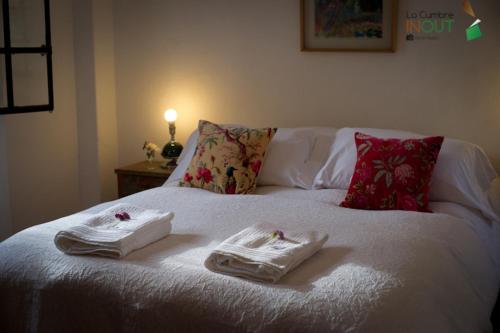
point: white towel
(254, 254)
(105, 235)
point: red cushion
(392, 173)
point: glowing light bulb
(170, 115)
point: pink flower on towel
(205, 174)
(123, 216)
(279, 234)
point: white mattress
(379, 271)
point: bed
(380, 271)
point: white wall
(239, 62)
(107, 133)
(88, 154)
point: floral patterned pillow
(227, 160)
(392, 174)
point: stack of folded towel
(262, 253)
(115, 232)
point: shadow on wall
(5, 220)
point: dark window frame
(7, 50)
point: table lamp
(172, 149)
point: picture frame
(348, 26)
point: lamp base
(169, 164)
(171, 153)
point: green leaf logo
(473, 32)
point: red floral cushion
(392, 173)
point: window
(25, 57)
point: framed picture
(348, 25)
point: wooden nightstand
(140, 176)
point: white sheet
(378, 272)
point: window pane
(30, 79)
(27, 23)
(3, 87)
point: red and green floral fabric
(392, 174)
(227, 159)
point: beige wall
(88, 153)
(119, 64)
(102, 13)
(239, 62)
(53, 164)
(95, 99)
(41, 147)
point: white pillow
(184, 160)
(338, 170)
(295, 155)
(463, 173)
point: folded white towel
(255, 254)
(105, 235)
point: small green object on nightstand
(171, 152)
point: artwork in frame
(348, 25)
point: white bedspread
(378, 272)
